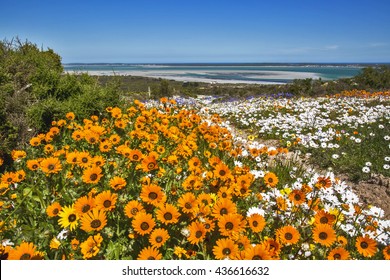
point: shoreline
(268, 76)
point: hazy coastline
(221, 73)
(259, 77)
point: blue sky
(203, 31)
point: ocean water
(224, 73)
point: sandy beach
(259, 77)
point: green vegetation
(34, 92)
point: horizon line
(242, 63)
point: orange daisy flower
(224, 207)
(324, 234)
(338, 253)
(256, 222)
(197, 232)
(117, 183)
(51, 165)
(106, 200)
(149, 163)
(136, 155)
(188, 202)
(152, 194)
(230, 224)
(53, 209)
(270, 179)
(323, 217)
(149, 253)
(386, 252)
(143, 223)
(258, 252)
(222, 172)
(84, 159)
(94, 220)
(297, 197)
(168, 214)
(288, 235)
(92, 175)
(84, 204)
(33, 164)
(323, 183)
(366, 246)
(158, 237)
(132, 208)
(225, 248)
(25, 251)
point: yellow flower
(68, 217)
(55, 243)
(179, 252)
(286, 191)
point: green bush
(34, 91)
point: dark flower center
(55, 211)
(168, 216)
(85, 208)
(198, 234)
(226, 251)
(152, 195)
(96, 223)
(288, 236)
(255, 224)
(25, 256)
(151, 165)
(323, 236)
(337, 256)
(364, 245)
(51, 166)
(93, 177)
(84, 160)
(72, 218)
(223, 211)
(107, 203)
(324, 220)
(159, 239)
(134, 211)
(222, 172)
(144, 226)
(151, 258)
(297, 197)
(188, 205)
(229, 226)
(256, 257)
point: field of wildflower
(171, 180)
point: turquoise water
(253, 73)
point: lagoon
(254, 73)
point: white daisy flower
(366, 169)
